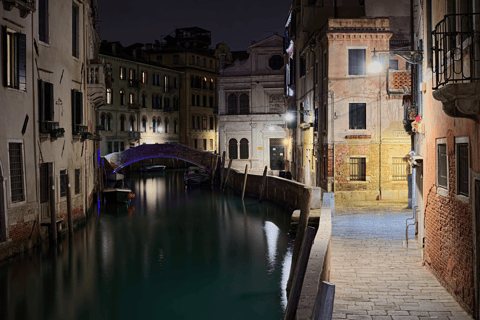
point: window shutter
(4, 54)
(442, 169)
(74, 111)
(43, 20)
(48, 100)
(41, 102)
(352, 116)
(462, 168)
(79, 107)
(362, 115)
(22, 61)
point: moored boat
(152, 168)
(196, 176)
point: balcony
(25, 6)
(134, 106)
(79, 129)
(52, 128)
(134, 135)
(134, 83)
(96, 85)
(456, 55)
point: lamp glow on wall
(376, 66)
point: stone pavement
(374, 276)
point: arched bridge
(116, 161)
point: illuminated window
(122, 97)
(144, 77)
(132, 97)
(16, 59)
(122, 73)
(109, 96)
(132, 74)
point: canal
(177, 253)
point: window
(302, 66)
(193, 59)
(144, 100)
(102, 121)
(204, 101)
(63, 183)
(462, 169)
(357, 169)
(244, 104)
(75, 31)
(159, 123)
(154, 125)
(175, 103)
(204, 85)
(109, 147)
(276, 62)
(193, 100)
(122, 146)
(144, 125)
(77, 111)
(204, 144)
(175, 126)
(195, 143)
(244, 149)
(165, 88)
(401, 169)
(131, 98)
(115, 146)
(122, 97)
(442, 165)
(198, 61)
(356, 62)
(108, 122)
(204, 123)
(204, 62)
(166, 125)
(144, 77)
(393, 64)
(232, 149)
(232, 104)
(77, 181)
(197, 82)
(192, 81)
(45, 105)
(43, 25)
(159, 102)
(176, 59)
(357, 116)
(15, 59)
(45, 174)
(132, 123)
(198, 122)
(122, 73)
(131, 75)
(211, 144)
(193, 122)
(211, 102)
(198, 100)
(109, 96)
(167, 103)
(16, 172)
(211, 123)
(122, 123)
(211, 64)
(211, 84)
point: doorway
(277, 154)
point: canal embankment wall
(290, 193)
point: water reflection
(184, 253)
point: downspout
(333, 136)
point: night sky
(236, 23)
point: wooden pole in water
(244, 181)
(53, 213)
(264, 182)
(301, 267)
(228, 173)
(213, 166)
(69, 205)
(301, 230)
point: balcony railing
(453, 50)
(51, 127)
(134, 106)
(134, 135)
(79, 129)
(25, 6)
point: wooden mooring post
(244, 181)
(264, 183)
(53, 213)
(301, 268)
(301, 230)
(226, 176)
(69, 205)
(324, 303)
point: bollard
(228, 173)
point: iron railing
(453, 50)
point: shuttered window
(63, 183)
(14, 59)
(232, 149)
(43, 21)
(46, 108)
(45, 174)
(401, 169)
(75, 31)
(356, 62)
(442, 168)
(357, 169)
(462, 169)
(77, 181)
(232, 104)
(244, 104)
(77, 111)
(357, 116)
(16, 172)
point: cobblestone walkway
(376, 278)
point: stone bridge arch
(118, 160)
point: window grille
(462, 169)
(16, 172)
(232, 149)
(63, 183)
(442, 169)
(77, 181)
(401, 169)
(244, 104)
(357, 169)
(244, 149)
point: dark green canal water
(180, 254)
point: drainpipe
(332, 93)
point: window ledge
(463, 199)
(442, 192)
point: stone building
(142, 100)
(48, 118)
(252, 108)
(446, 157)
(188, 50)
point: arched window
(244, 149)
(159, 102)
(154, 125)
(211, 84)
(192, 81)
(132, 123)
(102, 121)
(154, 102)
(132, 98)
(232, 149)
(144, 125)
(109, 96)
(175, 124)
(232, 104)
(166, 103)
(108, 123)
(244, 104)
(204, 83)
(144, 100)
(159, 124)
(122, 97)
(166, 125)
(122, 123)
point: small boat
(117, 195)
(152, 168)
(196, 176)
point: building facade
(188, 50)
(142, 100)
(252, 123)
(446, 154)
(48, 120)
